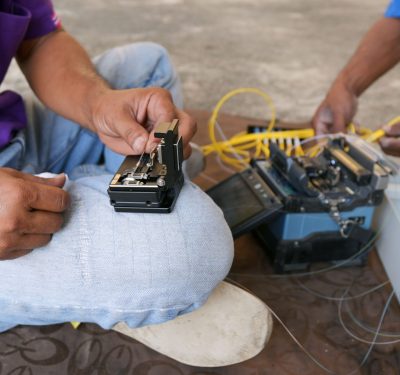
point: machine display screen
(244, 201)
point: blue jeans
(105, 267)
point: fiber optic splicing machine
(150, 182)
(304, 209)
(308, 209)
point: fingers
(41, 222)
(118, 145)
(339, 123)
(392, 131)
(390, 145)
(30, 211)
(187, 126)
(161, 107)
(328, 121)
(187, 129)
(45, 197)
(337, 109)
(32, 231)
(187, 151)
(126, 120)
(323, 120)
(33, 241)
(12, 247)
(133, 134)
(38, 193)
(27, 242)
(58, 180)
(154, 107)
(14, 254)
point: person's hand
(390, 143)
(30, 211)
(125, 119)
(336, 111)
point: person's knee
(172, 260)
(149, 50)
(157, 67)
(137, 65)
(207, 237)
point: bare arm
(61, 74)
(378, 52)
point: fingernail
(386, 128)
(139, 144)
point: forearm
(62, 76)
(377, 53)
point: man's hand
(125, 119)
(378, 51)
(30, 211)
(390, 143)
(336, 111)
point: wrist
(348, 83)
(94, 98)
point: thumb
(390, 145)
(339, 123)
(133, 134)
(392, 131)
(48, 179)
(323, 120)
(58, 180)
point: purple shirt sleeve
(393, 10)
(19, 20)
(12, 116)
(44, 19)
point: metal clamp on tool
(150, 182)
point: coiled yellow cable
(240, 148)
(225, 149)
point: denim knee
(140, 64)
(209, 238)
(176, 259)
(107, 267)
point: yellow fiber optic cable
(376, 135)
(276, 135)
(241, 147)
(222, 149)
(352, 128)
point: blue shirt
(393, 10)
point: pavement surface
(290, 49)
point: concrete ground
(292, 49)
